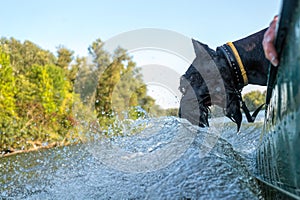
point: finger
(268, 42)
(270, 52)
(273, 58)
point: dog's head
(208, 81)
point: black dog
(239, 63)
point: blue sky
(76, 24)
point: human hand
(268, 43)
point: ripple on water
(169, 159)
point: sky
(76, 24)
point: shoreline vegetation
(35, 148)
(46, 99)
(49, 100)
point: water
(168, 159)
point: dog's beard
(233, 109)
(195, 101)
(197, 115)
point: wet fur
(196, 99)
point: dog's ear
(201, 50)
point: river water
(167, 158)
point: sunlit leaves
(35, 98)
(254, 99)
(64, 57)
(45, 99)
(7, 84)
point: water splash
(169, 159)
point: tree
(73, 71)
(26, 54)
(64, 57)
(120, 87)
(7, 101)
(171, 112)
(85, 81)
(254, 99)
(7, 84)
(35, 96)
(101, 58)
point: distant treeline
(44, 98)
(48, 100)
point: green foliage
(64, 58)
(35, 105)
(120, 88)
(172, 112)
(26, 54)
(254, 99)
(42, 86)
(7, 83)
(86, 81)
(7, 101)
(38, 103)
(101, 58)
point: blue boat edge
(278, 155)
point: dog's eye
(184, 83)
(182, 90)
